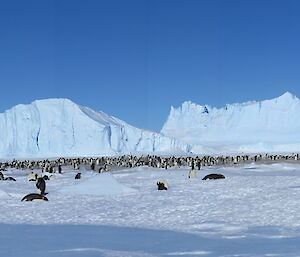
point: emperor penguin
(214, 176)
(193, 172)
(41, 185)
(78, 176)
(34, 197)
(162, 185)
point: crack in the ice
(37, 139)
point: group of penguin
(162, 185)
(41, 186)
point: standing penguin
(93, 166)
(198, 164)
(41, 185)
(192, 172)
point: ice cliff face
(59, 127)
(270, 125)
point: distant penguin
(50, 169)
(78, 176)
(59, 168)
(192, 173)
(34, 197)
(45, 177)
(32, 176)
(198, 164)
(214, 176)
(41, 185)
(10, 178)
(93, 166)
(193, 165)
(1, 176)
(162, 185)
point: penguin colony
(104, 164)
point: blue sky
(134, 58)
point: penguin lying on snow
(214, 176)
(34, 197)
(162, 185)
(7, 178)
(10, 178)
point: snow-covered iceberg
(59, 127)
(270, 125)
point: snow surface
(59, 127)
(102, 184)
(252, 127)
(3, 194)
(254, 212)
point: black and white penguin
(162, 185)
(32, 176)
(41, 185)
(214, 176)
(198, 164)
(1, 176)
(78, 176)
(10, 178)
(59, 168)
(93, 166)
(34, 197)
(192, 172)
(45, 177)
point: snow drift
(59, 127)
(3, 194)
(101, 184)
(270, 125)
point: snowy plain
(255, 212)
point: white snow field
(253, 212)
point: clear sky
(133, 59)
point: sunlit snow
(254, 212)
